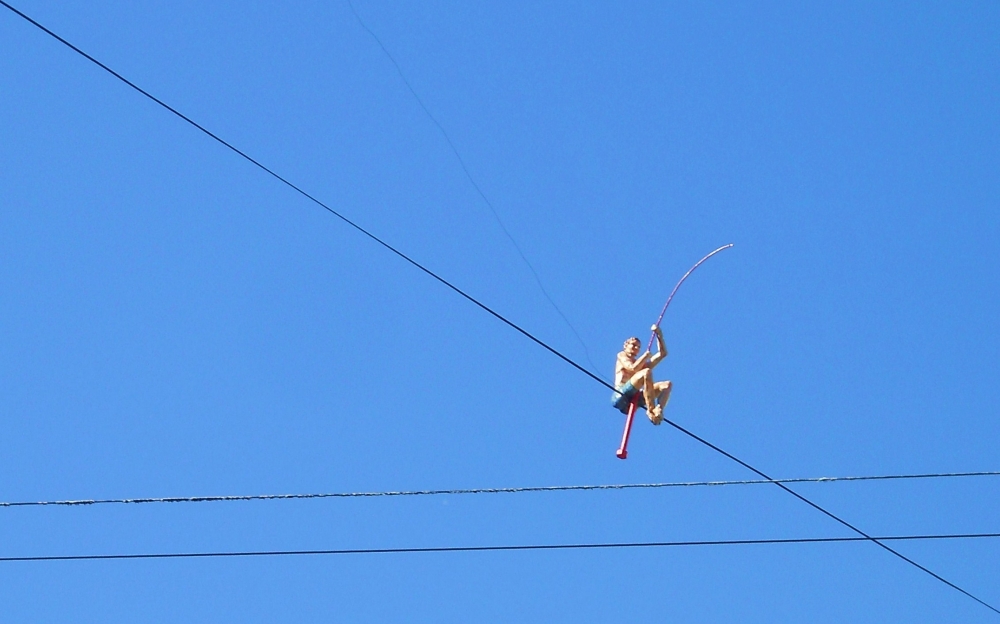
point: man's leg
(663, 389)
(643, 380)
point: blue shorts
(622, 401)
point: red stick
(622, 452)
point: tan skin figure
(638, 370)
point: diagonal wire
(514, 548)
(475, 185)
(507, 490)
(481, 305)
(311, 198)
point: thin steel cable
(474, 300)
(311, 198)
(507, 490)
(475, 185)
(457, 549)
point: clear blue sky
(177, 323)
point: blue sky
(177, 323)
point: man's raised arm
(661, 347)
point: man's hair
(633, 339)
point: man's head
(632, 346)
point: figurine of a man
(634, 375)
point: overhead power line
(483, 306)
(506, 490)
(469, 549)
(313, 199)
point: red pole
(622, 452)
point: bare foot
(655, 414)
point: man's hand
(661, 347)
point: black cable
(454, 549)
(311, 198)
(476, 301)
(506, 490)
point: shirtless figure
(635, 375)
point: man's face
(632, 348)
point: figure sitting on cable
(634, 376)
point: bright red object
(622, 452)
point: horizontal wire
(480, 304)
(454, 549)
(507, 490)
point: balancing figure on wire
(634, 385)
(634, 376)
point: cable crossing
(515, 548)
(478, 303)
(503, 490)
